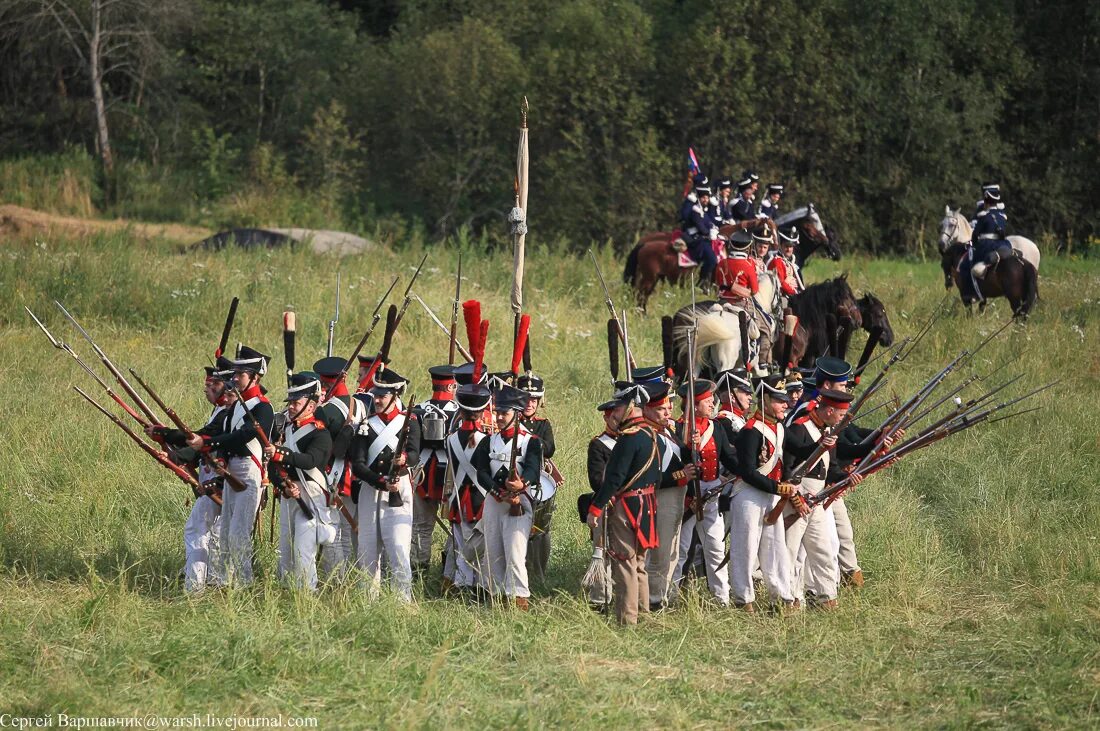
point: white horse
(955, 228)
(717, 338)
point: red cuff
(207, 445)
(593, 510)
(277, 457)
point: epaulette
(802, 420)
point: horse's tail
(631, 264)
(1031, 289)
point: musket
(439, 323)
(932, 434)
(134, 396)
(228, 327)
(454, 313)
(408, 290)
(927, 325)
(630, 365)
(375, 317)
(625, 332)
(262, 436)
(62, 345)
(516, 508)
(289, 332)
(187, 478)
(334, 320)
(213, 464)
(694, 486)
(395, 500)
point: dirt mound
(20, 222)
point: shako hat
(836, 399)
(532, 384)
(774, 386)
(736, 379)
(250, 360)
(510, 398)
(703, 389)
(389, 381)
(303, 385)
(464, 374)
(828, 368)
(648, 374)
(329, 367)
(473, 397)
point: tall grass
(981, 553)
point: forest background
(389, 116)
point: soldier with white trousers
(240, 443)
(383, 453)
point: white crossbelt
(387, 436)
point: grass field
(982, 554)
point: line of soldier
(743, 464)
(363, 479)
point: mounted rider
(769, 207)
(700, 226)
(743, 209)
(980, 208)
(736, 277)
(784, 265)
(989, 245)
(725, 200)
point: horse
(1016, 278)
(718, 340)
(654, 259)
(824, 311)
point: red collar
(341, 389)
(299, 423)
(468, 425)
(390, 415)
(508, 433)
(252, 392)
(442, 396)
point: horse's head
(874, 316)
(954, 229)
(813, 228)
(847, 308)
(831, 244)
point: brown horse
(653, 259)
(1012, 278)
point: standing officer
(626, 501)
(242, 447)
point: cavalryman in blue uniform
(989, 245)
(769, 207)
(699, 228)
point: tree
(109, 38)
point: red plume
(521, 342)
(471, 314)
(479, 354)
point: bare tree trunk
(95, 70)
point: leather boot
(746, 608)
(826, 606)
(852, 579)
(522, 604)
(447, 585)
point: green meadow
(982, 554)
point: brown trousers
(628, 574)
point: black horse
(824, 310)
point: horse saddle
(684, 261)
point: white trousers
(200, 546)
(338, 558)
(712, 538)
(661, 562)
(457, 568)
(423, 528)
(749, 537)
(848, 562)
(812, 546)
(506, 539)
(297, 546)
(386, 530)
(238, 517)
